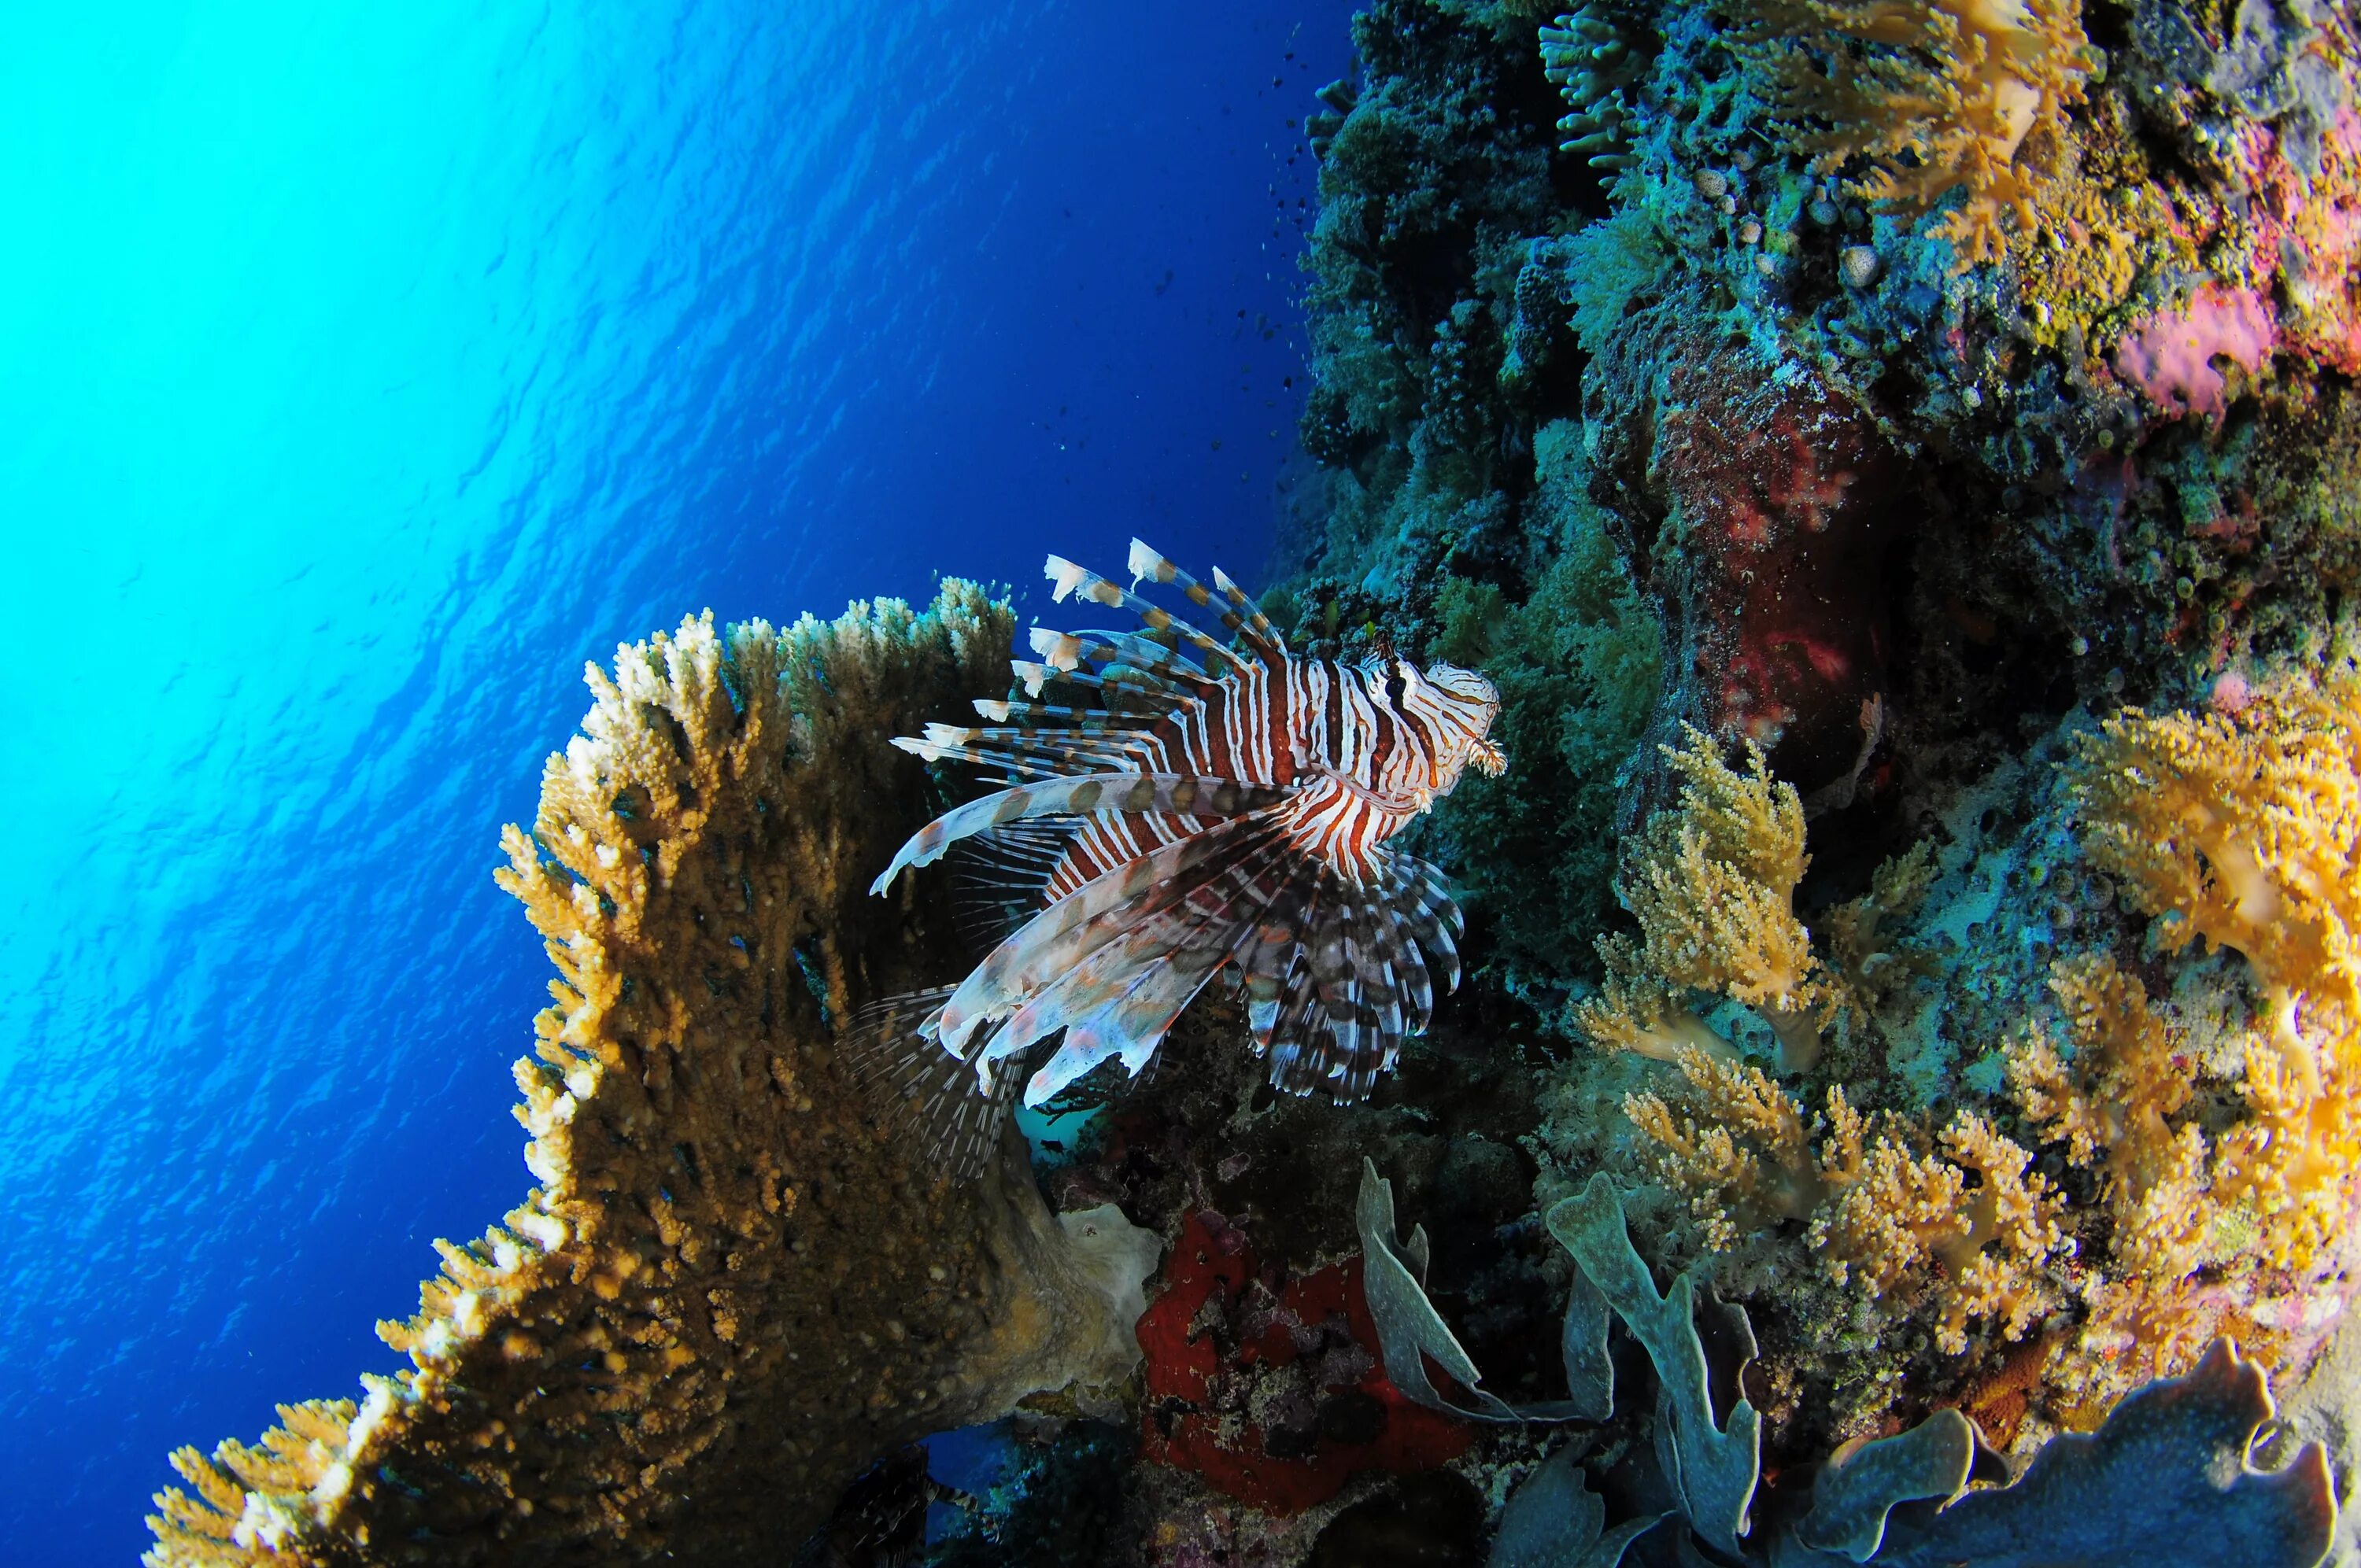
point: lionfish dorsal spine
(1242, 615)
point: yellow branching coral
(1748, 1164)
(2246, 830)
(1712, 885)
(1965, 1230)
(2111, 1107)
(1934, 93)
(727, 1292)
(1903, 1213)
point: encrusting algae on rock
(728, 1293)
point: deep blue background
(365, 369)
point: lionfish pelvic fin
(922, 1091)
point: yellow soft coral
(1904, 1213)
(1964, 1229)
(2110, 1106)
(1712, 885)
(1747, 1164)
(1935, 94)
(2246, 830)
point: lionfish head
(1477, 702)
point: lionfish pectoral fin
(1081, 583)
(1136, 793)
(944, 1106)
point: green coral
(1577, 662)
(1605, 264)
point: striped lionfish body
(1186, 807)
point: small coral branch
(1933, 95)
(1869, 961)
(1712, 885)
(1587, 54)
(1962, 1230)
(1743, 1152)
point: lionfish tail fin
(921, 1092)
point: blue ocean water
(365, 369)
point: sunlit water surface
(365, 369)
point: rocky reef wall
(1949, 402)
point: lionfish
(1191, 808)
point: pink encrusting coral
(2170, 355)
(2301, 237)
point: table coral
(727, 1294)
(1955, 87)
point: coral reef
(1938, 375)
(727, 1294)
(1815, 418)
(2172, 1464)
(1963, 1229)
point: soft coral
(1957, 85)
